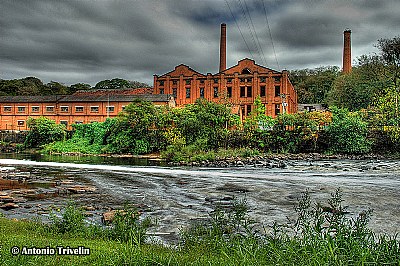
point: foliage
(359, 88)
(225, 226)
(134, 130)
(204, 120)
(118, 83)
(348, 133)
(313, 85)
(42, 131)
(78, 86)
(72, 220)
(390, 53)
(127, 226)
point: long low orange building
(82, 107)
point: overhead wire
(270, 35)
(255, 32)
(248, 26)
(240, 31)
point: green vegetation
(42, 131)
(319, 234)
(34, 86)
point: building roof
(116, 98)
(124, 91)
(251, 65)
(182, 69)
(85, 98)
(29, 98)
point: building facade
(238, 85)
(78, 108)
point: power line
(248, 26)
(270, 35)
(237, 25)
(255, 32)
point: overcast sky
(73, 41)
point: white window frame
(80, 106)
(108, 109)
(94, 106)
(50, 106)
(38, 107)
(64, 106)
(19, 121)
(7, 106)
(21, 106)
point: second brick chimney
(222, 49)
(347, 52)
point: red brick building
(81, 107)
(238, 85)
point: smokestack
(347, 52)
(222, 49)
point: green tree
(206, 121)
(348, 132)
(78, 86)
(135, 129)
(313, 85)
(116, 83)
(43, 131)
(358, 89)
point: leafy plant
(128, 227)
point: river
(176, 195)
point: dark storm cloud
(88, 41)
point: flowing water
(175, 195)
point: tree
(358, 89)
(112, 84)
(54, 87)
(348, 133)
(78, 86)
(390, 53)
(313, 85)
(43, 131)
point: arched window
(246, 71)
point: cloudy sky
(73, 41)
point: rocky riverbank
(275, 160)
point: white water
(175, 195)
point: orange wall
(16, 120)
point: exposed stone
(9, 206)
(81, 189)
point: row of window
(21, 123)
(50, 109)
(246, 109)
(244, 92)
(228, 80)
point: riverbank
(225, 240)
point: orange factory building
(238, 85)
(81, 107)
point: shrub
(127, 226)
(72, 220)
(43, 131)
(348, 133)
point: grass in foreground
(320, 235)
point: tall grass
(319, 234)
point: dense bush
(348, 133)
(43, 131)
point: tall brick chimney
(222, 49)
(347, 52)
